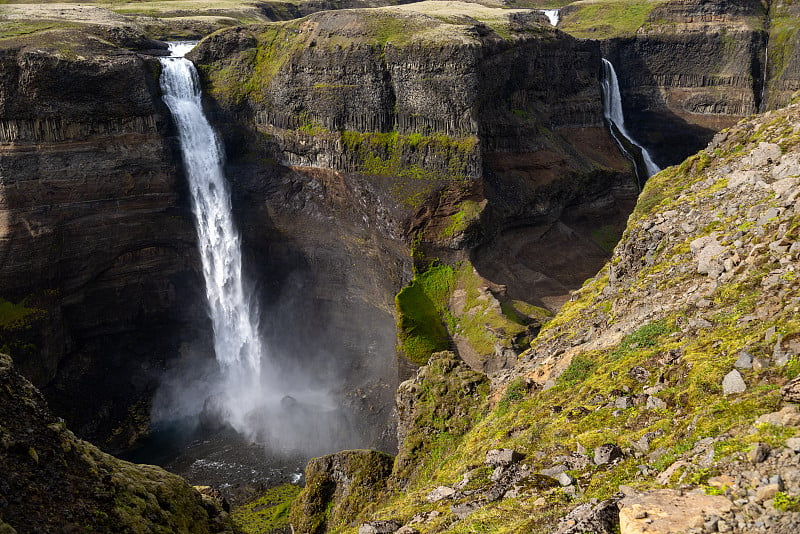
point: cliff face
(95, 240)
(53, 481)
(668, 382)
(434, 126)
(692, 68)
(782, 67)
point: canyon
(406, 179)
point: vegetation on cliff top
(604, 19)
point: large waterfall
(612, 109)
(233, 315)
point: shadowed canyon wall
(97, 247)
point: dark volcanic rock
(94, 233)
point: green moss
(645, 337)
(268, 513)
(18, 315)
(515, 392)
(579, 369)
(604, 19)
(422, 311)
(607, 237)
(784, 502)
(446, 399)
(469, 211)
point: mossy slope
(53, 481)
(639, 354)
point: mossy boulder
(338, 488)
(52, 481)
(435, 409)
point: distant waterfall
(612, 110)
(233, 315)
(552, 15)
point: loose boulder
(605, 454)
(733, 383)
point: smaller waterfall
(552, 14)
(612, 110)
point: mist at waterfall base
(249, 396)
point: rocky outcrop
(52, 481)
(442, 398)
(94, 231)
(635, 371)
(338, 487)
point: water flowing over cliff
(233, 315)
(248, 390)
(612, 110)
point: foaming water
(612, 109)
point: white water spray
(552, 15)
(233, 316)
(612, 110)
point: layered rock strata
(692, 68)
(95, 236)
(437, 125)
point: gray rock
(707, 251)
(442, 492)
(655, 403)
(462, 510)
(791, 391)
(639, 373)
(745, 361)
(733, 383)
(764, 493)
(576, 461)
(554, 471)
(758, 453)
(606, 453)
(623, 402)
(565, 480)
(760, 363)
(379, 527)
(584, 518)
(793, 444)
(502, 457)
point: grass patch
(605, 19)
(421, 313)
(646, 336)
(579, 369)
(268, 513)
(469, 212)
